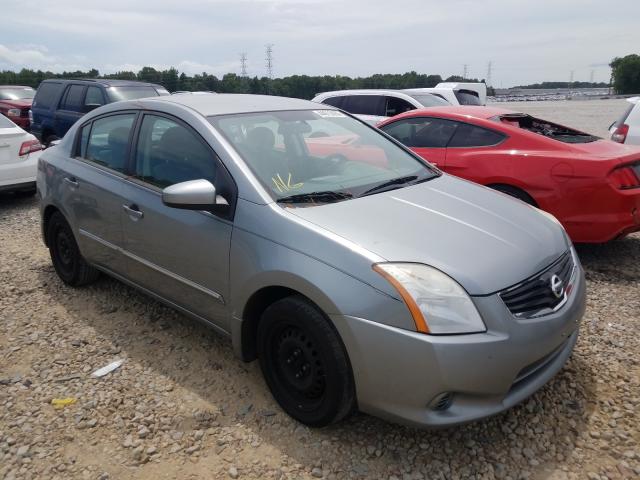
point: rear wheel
(67, 260)
(516, 193)
(304, 363)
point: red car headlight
(13, 112)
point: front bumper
(399, 373)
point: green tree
(626, 74)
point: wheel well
(258, 303)
(48, 212)
(515, 192)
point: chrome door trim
(153, 266)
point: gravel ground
(182, 406)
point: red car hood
(26, 102)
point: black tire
(67, 260)
(516, 193)
(305, 363)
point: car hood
(19, 103)
(483, 239)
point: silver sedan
(360, 276)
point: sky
(525, 41)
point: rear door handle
(133, 211)
(72, 182)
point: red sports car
(592, 186)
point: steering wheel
(337, 161)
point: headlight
(13, 112)
(438, 304)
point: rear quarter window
(471, 136)
(467, 97)
(47, 94)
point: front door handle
(72, 182)
(133, 211)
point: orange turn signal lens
(418, 317)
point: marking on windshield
(283, 186)
(329, 113)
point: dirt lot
(182, 406)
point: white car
(375, 105)
(19, 153)
(627, 128)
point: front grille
(535, 296)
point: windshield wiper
(390, 183)
(324, 196)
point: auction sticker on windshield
(329, 113)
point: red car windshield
(16, 93)
(545, 128)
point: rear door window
(471, 136)
(108, 141)
(47, 94)
(364, 104)
(396, 106)
(73, 98)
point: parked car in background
(19, 153)
(456, 93)
(591, 185)
(342, 277)
(58, 104)
(627, 128)
(15, 103)
(375, 105)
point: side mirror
(89, 107)
(194, 195)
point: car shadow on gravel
(614, 262)
(534, 436)
(9, 200)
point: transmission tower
(591, 76)
(488, 81)
(269, 59)
(243, 64)
(465, 71)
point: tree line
(299, 86)
(625, 72)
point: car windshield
(430, 100)
(545, 128)
(16, 93)
(117, 94)
(319, 156)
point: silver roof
(230, 103)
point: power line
(243, 64)
(269, 59)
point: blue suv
(58, 104)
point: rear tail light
(620, 133)
(29, 146)
(626, 177)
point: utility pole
(269, 59)
(243, 64)
(571, 81)
(464, 71)
(488, 80)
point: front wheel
(67, 260)
(305, 363)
